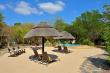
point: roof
(42, 25)
(42, 30)
(65, 35)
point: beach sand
(67, 63)
(3, 51)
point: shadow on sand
(36, 59)
(100, 63)
(15, 55)
(56, 50)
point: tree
(18, 32)
(17, 24)
(3, 34)
(106, 32)
(88, 25)
(2, 24)
(1, 17)
(60, 25)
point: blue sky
(35, 11)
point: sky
(35, 11)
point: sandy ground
(68, 63)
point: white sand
(69, 63)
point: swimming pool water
(69, 44)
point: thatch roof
(42, 25)
(65, 35)
(42, 30)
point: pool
(69, 44)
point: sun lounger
(59, 48)
(36, 54)
(45, 58)
(38, 47)
(21, 50)
(24, 51)
(65, 50)
(11, 52)
(16, 53)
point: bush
(108, 49)
(87, 42)
(108, 60)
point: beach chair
(36, 55)
(21, 50)
(38, 46)
(11, 52)
(16, 53)
(24, 50)
(45, 58)
(35, 52)
(59, 48)
(65, 50)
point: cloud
(52, 7)
(25, 9)
(61, 3)
(2, 6)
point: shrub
(108, 49)
(87, 42)
(108, 60)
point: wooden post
(42, 45)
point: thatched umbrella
(65, 35)
(42, 30)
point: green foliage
(51, 41)
(60, 25)
(69, 28)
(2, 24)
(108, 59)
(108, 49)
(17, 24)
(106, 32)
(1, 17)
(106, 12)
(18, 32)
(87, 42)
(88, 25)
(3, 33)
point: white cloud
(61, 3)
(2, 6)
(25, 9)
(52, 7)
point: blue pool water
(69, 44)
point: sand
(67, 63)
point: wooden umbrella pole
(42, 45)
